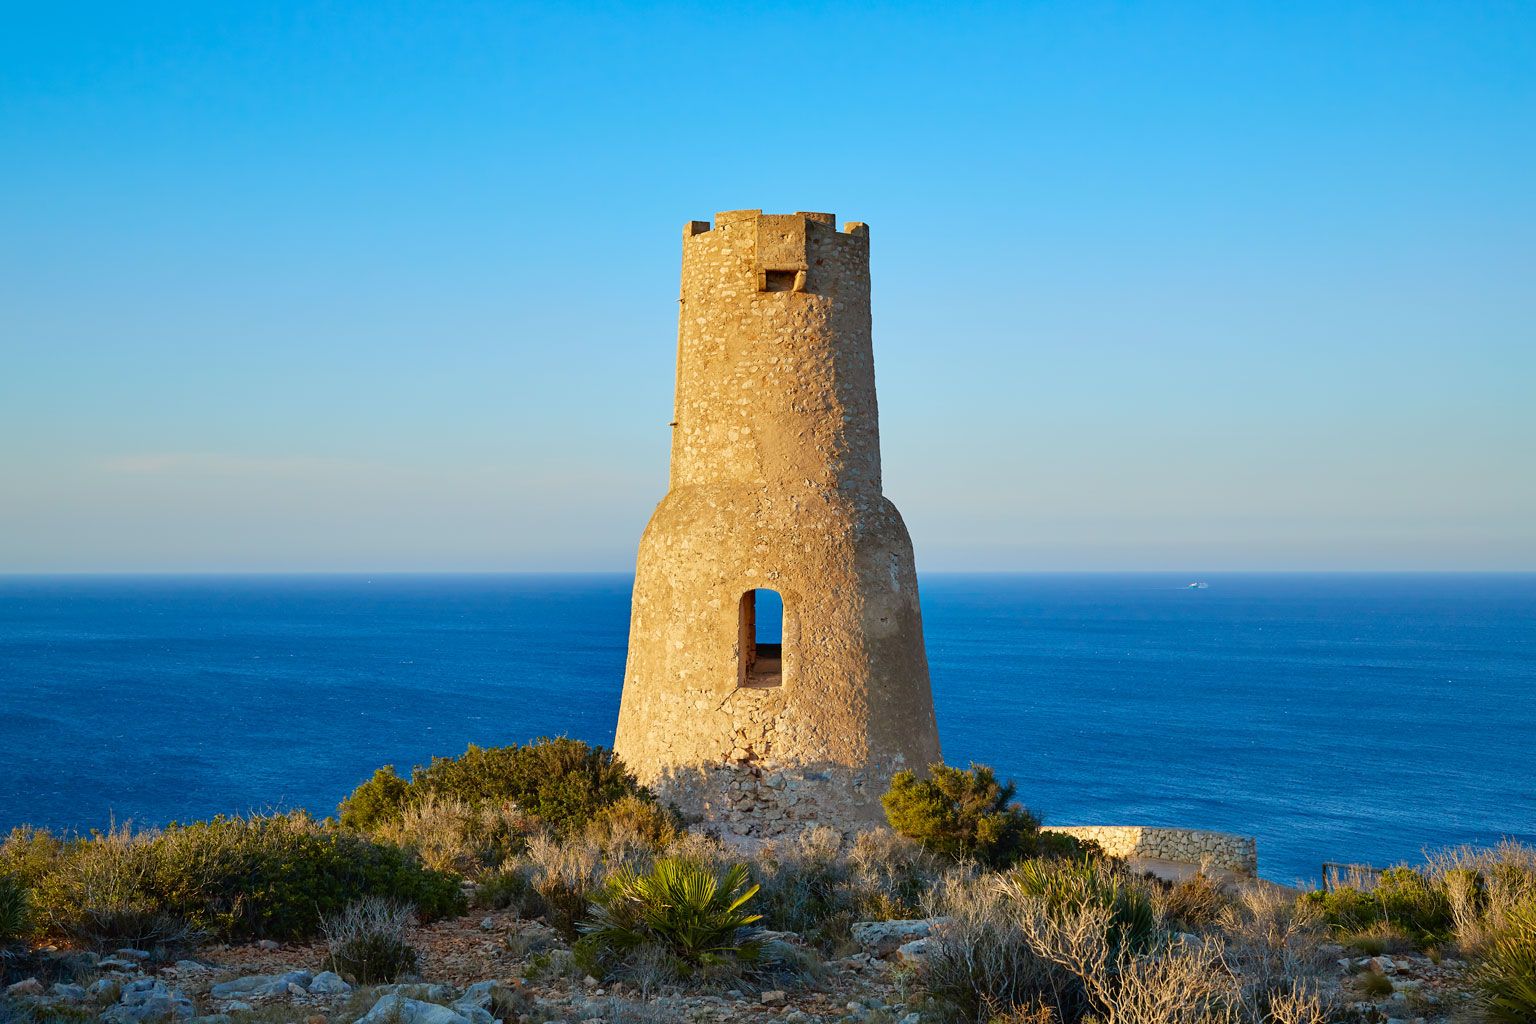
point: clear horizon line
(1192, 573)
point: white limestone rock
(148, 999)
(261, 985)
(68, 993)
(881, 938)
(329, 983)
(916, 952)
(397, 1009)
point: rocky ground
(1424, 989)
(479, 970)
(472, 970)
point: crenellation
(727, 217)
(732, 218)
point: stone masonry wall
(1180, 845)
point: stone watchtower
(776, 671)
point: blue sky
(374, 286)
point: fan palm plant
(13, 910)
(1507, 975)
(681, 905)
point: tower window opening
(779, 280)
(762, 638)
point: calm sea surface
(1335, 717)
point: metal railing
(1355, 876)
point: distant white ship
(1198, 586)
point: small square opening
(778, 280)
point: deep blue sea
(1336, 717)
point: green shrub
(1344, 907)
(1401, 898)
(102, 893)
(563, 783)
(368, 942)
(14, 910)
(1067, 886)
(28, 854)
(681, 906)
(382, 798)
(273, 876)
(1410, 900)
(1506, 975)
(964, 815)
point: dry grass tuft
(1196, 903)
(450, 834)
(1017, 957)
(1272, 945)
(369, 941)
(1487, 890)
(1381, 937)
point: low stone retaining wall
(1224, 850)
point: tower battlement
(730, 217)
(776, 673)
(777, 252)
